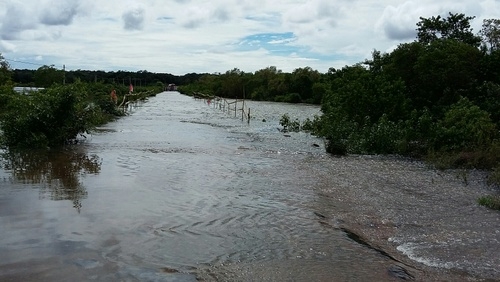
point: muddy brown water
(180, 191)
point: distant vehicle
(172, 87)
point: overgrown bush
(337, 130)
(46, 118)
(492, 202)
(488, 98)
(289, 98)
(494, 177)
(465, 127)
(51, 117)
(6, 94)
(313, 126)
(382, 137)
(289, 125)
(418, 129)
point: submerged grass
(490, 201)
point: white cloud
(184, 36)
(6, 46)
(399, 23)
(18, 17)
(221, 14)
(134, 19)
(59, 13)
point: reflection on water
(57, 171)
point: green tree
(488, 99)
(277, 85)
(444, 70)
(266, 83)
(465, 127)
(302, 81)
(47, 118)
(364, 96)
(232, 84)
(45, 76)
(401, 63)
(23, 77)
(5, 71)
(319, 90)
(455, 26)
(490, 32)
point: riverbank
(427, 221)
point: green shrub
(6, 95)
(382, 137)
(279, 98)
(293, 98)
(258, 94)
(288, 124)
(47, 118)
(312, 126)
(494, 176)
(336, 147)
(289, 98)
(338, 132)
(492, 202)
(465, 127)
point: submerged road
(180, 191)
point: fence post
(243, 111)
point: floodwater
(178, 190)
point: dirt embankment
(427, 221)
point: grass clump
(490, 201)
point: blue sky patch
(281, 44)
(275, 43)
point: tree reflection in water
(57, 170)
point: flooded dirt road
(180, 191)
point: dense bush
(289, 98)
(47, 118)
(51, 117)
(465, 127)
(492, 202)
(290, 125)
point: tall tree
(455, 26)
(268, 83)
(446, 70)
(232, 83)
(401, 64)
(302, 80)
(491, 34)
(45, 76)
(5, 73)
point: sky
(198, 36)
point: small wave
(410, 250)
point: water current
(178, 190)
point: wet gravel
(426, 218)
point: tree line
(268, 84)
(46, 76)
